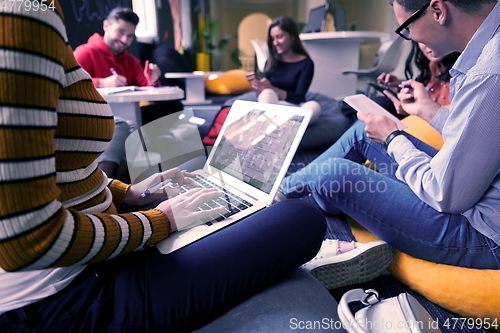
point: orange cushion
(230, 82)
(421, 129)
(468, 292)
(471, 293)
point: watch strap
(391, 137)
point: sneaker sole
(364, 267)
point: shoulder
(306, 63)
(84, 48)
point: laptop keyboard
(230, 201)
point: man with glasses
(403, 30)
(441, 206)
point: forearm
(55, 207)
(465, 167)
(438, 121)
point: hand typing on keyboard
(182, 210)
(135, 194)
(231, 202)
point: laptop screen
(317, 18)
(253, 148)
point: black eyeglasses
(403, 30)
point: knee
(330, 176)
(301, 215)
(268, 96)
(316, 109)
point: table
(333, 52)
(124, 101)
(195, 85)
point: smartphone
(253, 76)
(383, 88)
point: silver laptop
(248, 161)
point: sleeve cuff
(119, 190)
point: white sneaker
(339, 263)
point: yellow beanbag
(471, 293)
(228, 83)
(421, 129)
(468, 292)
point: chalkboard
(84, 17)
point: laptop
(248, 161)
(317, 17)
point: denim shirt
(464, 176)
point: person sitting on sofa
(433, 205)
(289, 70)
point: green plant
(216, 48)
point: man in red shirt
(106, 58)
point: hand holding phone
(381, 88)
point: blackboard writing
(89, 10)
(84, 17)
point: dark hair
(422, 63)
(123, 13)
(286, 24)
(470, 6)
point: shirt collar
(486, 31)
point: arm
(46, 208)
(88, 58)
(142, 76)
(56, 206)
(304, 80)
(84, 59)
(465, 167)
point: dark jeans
(386, 206)
(146, 291)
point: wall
(232, 12)
(84, 17)
(363, 15)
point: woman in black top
(289, 69)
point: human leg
(298, 302)
(315, 107)
(146, 291)
(389, 209)
(268, 96)
(353, 145)
(339, 263)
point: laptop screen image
(254, 147)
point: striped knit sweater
(57, 208)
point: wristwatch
(391, 137)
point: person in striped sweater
(69, 260)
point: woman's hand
(259, 85)
(388, 80)
(182, 210)
(134, 193)
(377, 127)
(397, 103)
